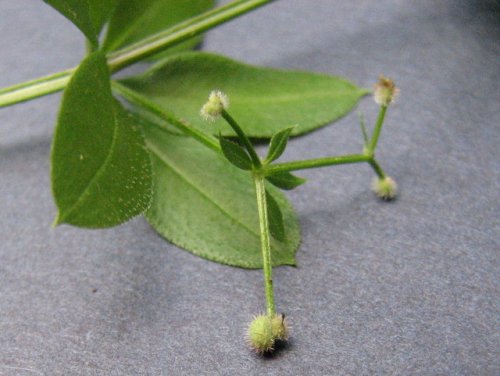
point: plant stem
(376, 167)
(260, 191)
(243, 138)
(152, 107)
(377, 130)
(35, 88)
(318, 162)
(324, 162)
(132, 54)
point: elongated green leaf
(235, 154)
(275, 218)
(207, 206)
(88, 15)
(278, 144)
(135, 20)
(285, 180)
(263, 101)
(101, 171)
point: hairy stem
(260, 191)
(134, 53)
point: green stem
(153, 108)
(35, 88)
(324, 162)
(260, 191)
(377, 130)
(376, 167)
(131, 54)
(243, 138)
(318, 162)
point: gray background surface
(405, 288)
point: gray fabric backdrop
(406, 288)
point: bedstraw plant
(138, 145)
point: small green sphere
(260, 334)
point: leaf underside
(101, 171)
(204, 204)
(263, 100)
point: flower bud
(385, 188)
(385, 91)
(212, 109)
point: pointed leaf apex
(278, 144)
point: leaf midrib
(169, 164)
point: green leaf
(206, 205)
(278, 144)
(275, 218)
(285, 180)
(88, 15)
(263, 100)
(135, 20)
(101, 171)
(235, 154)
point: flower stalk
(265, 241)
